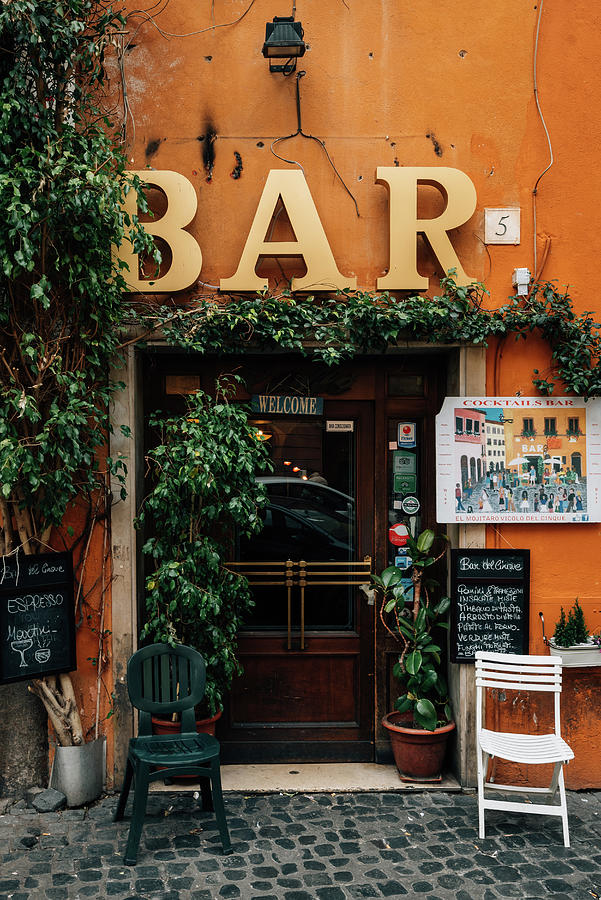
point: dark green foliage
(572, 630)
(203, 470)
(560, 630)
(61, 185)
(354, 322)
(342, 325)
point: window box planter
(578, 655)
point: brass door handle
(309, 574)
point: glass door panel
(310, 517)
(307, 647)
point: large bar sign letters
(311, 242)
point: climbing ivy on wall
(62, 186)
(337, 327)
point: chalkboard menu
(490, 595)
(37, 625)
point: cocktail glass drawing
(20, 647)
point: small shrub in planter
(571, 630)
(571, 639)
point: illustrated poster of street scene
(518, 459)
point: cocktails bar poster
(518, 459)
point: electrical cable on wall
(124, 47)
(542, 118)
(169, 34)
(299, 132)
(127, 111)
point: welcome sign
(273, 404)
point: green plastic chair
(162, 680)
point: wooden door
(307, 691)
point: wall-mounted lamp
(283, 40)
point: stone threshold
(326, 778)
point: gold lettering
(311, 242)
(402, 184)
(302, 405)
(186, 256)
(272, 404)
(286, 404)
(312, 408)
(262, 403)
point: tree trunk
(23, 741)
(58, 697)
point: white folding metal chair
(508, 671)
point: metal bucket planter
(79, 772)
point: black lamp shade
(283, 38)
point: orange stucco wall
(92, 680)
(400, 84)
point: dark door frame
(370, 382)
(325, 738)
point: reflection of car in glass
(304, 520)
(317, 505)
(286, 534)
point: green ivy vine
(62, 187)
(333, 328)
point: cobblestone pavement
(304, 847)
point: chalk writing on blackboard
(490, 596)
(472, 566)
(37, 629)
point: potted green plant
(204, 492)
(422, 722)
(571, 639)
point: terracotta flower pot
(168, 726)
(418, 754)
(203, 726)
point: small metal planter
(587, 654)
(79, 772)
